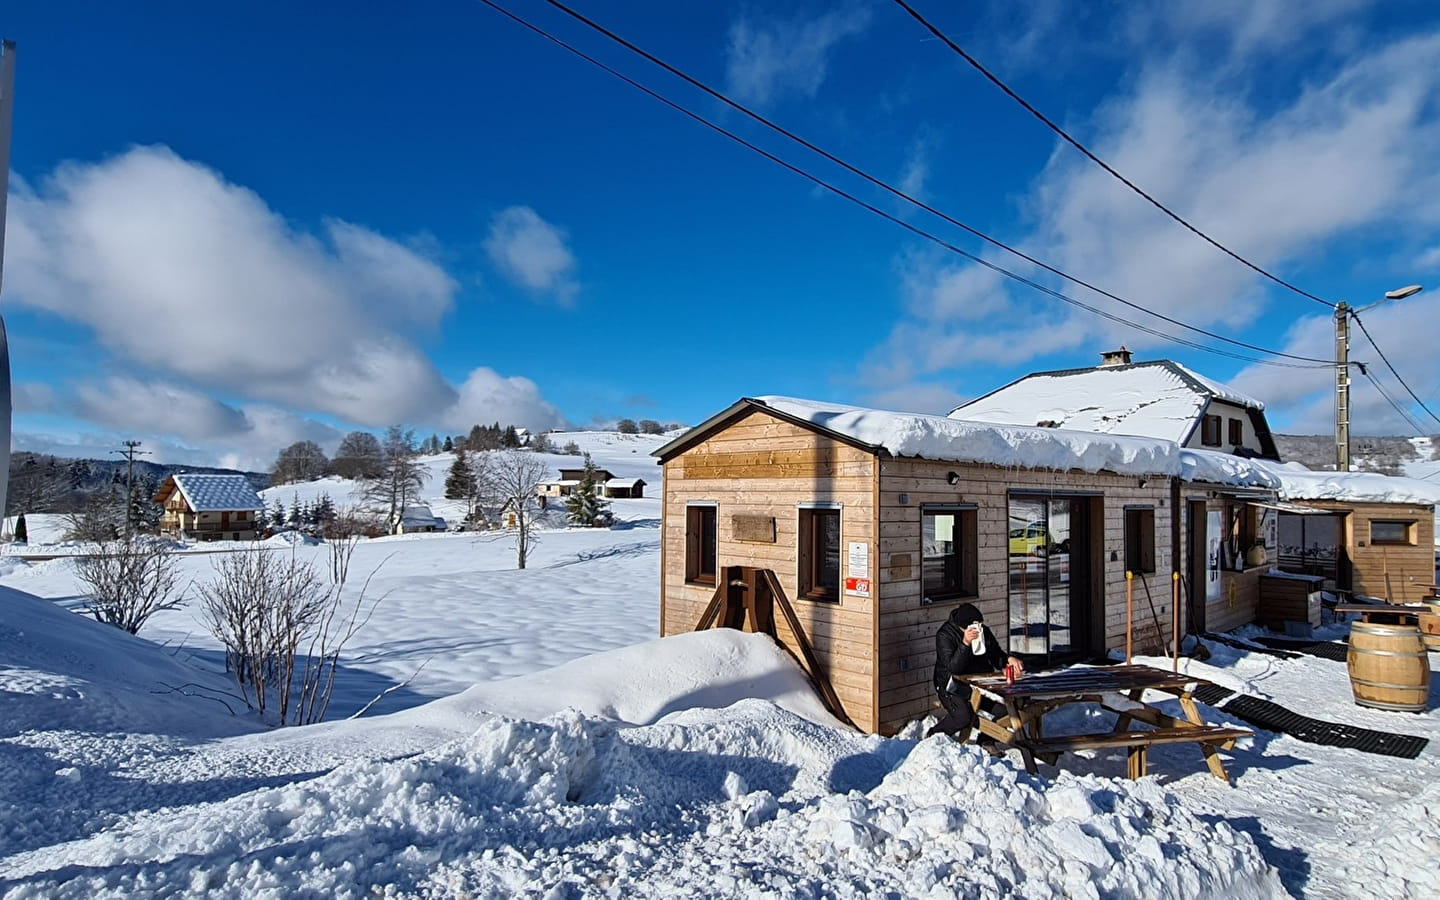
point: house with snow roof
(416, 519)
(607, 484)
(1158, 399)
(1344, 527)
(874, 525)
(209, 507)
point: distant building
(417, 519)
(607, 484)
(209, 507)
(1157, 399)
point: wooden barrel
(1388, 667)
(1430, 624)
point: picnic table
(1119, 689)
(1366, 610)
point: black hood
(964, 614)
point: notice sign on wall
(857, 569)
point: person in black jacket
(964, 645)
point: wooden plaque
(755, 529)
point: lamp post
(1343, 313)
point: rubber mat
(1323, 649)
(1274, 717)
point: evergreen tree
(277, 515)
(460, 482)
(297, 513)
(585, 506)
(22, 532)
(449, 445)
(510, 440)
(324, 512)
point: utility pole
(7, 109)
(1343, 314)
(1342, 386)
(129, 454)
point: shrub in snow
(264, 608)
(130, 579)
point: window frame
(696, 516)
(1237, 432)
(1140, 557)
(1242, 530)
(1406, 525)
(965, 550)
(1210, 430)
(809, 555)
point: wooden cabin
(876, 525)
(209, 507)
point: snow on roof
(624, 482)
(1292, 481)
(943, 438)
(1300, 483)
(1158, 399)
(215, 493)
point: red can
(1010, 673)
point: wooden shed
(876, 524)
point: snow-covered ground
(550, 746)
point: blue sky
(233, 227)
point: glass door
(1048, 608)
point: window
(1237, 433)
(1392, 532)
(1210, 431)
(1140, 540)
(948, 549)
(1241, 533)
(819, 576)
(700, 541)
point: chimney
(1119, 357)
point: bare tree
(358, 457)
(400, 478)
(513, 477)
(130, 580)
(301, 461)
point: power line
(889, 189)
(1100, 162)
(1404, 413)
(1366, 331)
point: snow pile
(708, 802)
(940, 438)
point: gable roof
(217, 493)
(941, 438)
(1158, 398)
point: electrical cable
(1100, 162)
(1366, 332)
(1404, 414)
(919, 232)
(595, 26)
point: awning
(1284, 506)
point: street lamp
(1343, 313)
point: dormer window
(1237, 433)
(1210, 431)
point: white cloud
(1350, 153)
(532, 253)
(1429, 259)
(768, 60)
(486, 396)
(154, 407)
(184, 273)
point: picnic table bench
(1119, 689)
(1366, 610)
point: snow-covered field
(549, 746)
